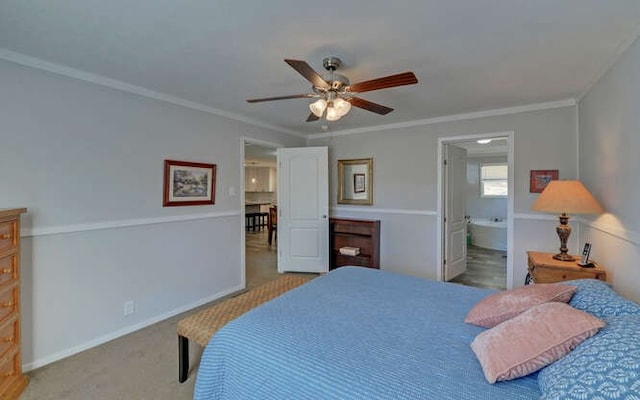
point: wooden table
(543, 268)
(255, 206)
(254, 218)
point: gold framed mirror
(355, 181)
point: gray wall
(483, 207)
(405, 182)
(609, 167)
(87, 162)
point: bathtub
(488, 234)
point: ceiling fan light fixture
(335, 88)
(318, 107)
(342, 106)
(332, 113)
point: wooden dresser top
(11, 212)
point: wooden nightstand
(543, 268)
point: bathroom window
(493, 180)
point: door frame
(243, 261)
(440, 199)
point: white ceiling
(468, 55)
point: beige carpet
(142, 365)
(139, 366)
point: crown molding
(36, 63)
(115, 84)
(451, 118)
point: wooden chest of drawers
(12, 381)
(361, 233)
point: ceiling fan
(336, 94)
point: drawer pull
(6, 271)
(8, 374)
(7, 339)
(5, 236)
(7, 305)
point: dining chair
(272, 223)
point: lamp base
(563, 230)
(564, 257)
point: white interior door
(303, 209)
(455, 226)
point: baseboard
(124, 331)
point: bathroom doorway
(475, 245)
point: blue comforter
(355, 333)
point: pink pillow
(532, 340)
(505, 305)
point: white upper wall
(405, 182)
(609, 166)
(405, 159)
(81, 153)
(87, 162)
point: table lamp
(566, 197)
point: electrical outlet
(129, 308)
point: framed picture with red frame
(540, 178)
(188, 183)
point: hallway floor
(261, 259)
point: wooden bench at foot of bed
(201, 326)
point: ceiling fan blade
(305, 70)
(369, 106)
(293, 96)
(405, 78)
(312, 117)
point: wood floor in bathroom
(486, 268)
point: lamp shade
(567, 197)
(332, 113)
(318, 107)
(341, 106)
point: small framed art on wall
(188, 183)
(540, 178)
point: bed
(358, 333)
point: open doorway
(260, 194)
(475, 207)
